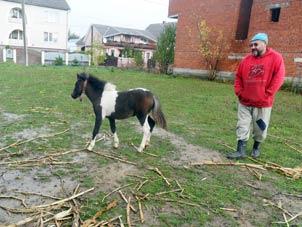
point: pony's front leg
(113, 130)
(97, 125)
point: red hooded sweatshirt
(259, 78)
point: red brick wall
(284, 36)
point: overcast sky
(122, 13)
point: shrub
(58, 61)
(212, 47)
(75, 62)
(138, 58)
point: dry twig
(168, 192)
(294, 173)
(128, 212)
(125, 199)
(115, 190)
(92, 221)
(141, 185)
(141, 214)
(267, 202)
(160, 174)
(115, 158)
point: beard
(256, 53)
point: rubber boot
(256, 150)
(240, 153)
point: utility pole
(91, 44)
(24, 33)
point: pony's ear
(78, 76)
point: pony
(114, 105)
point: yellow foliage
(212, 46)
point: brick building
(239, 20)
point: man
(258, 78)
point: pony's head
(80, 85)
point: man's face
(258, 48)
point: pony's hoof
(140, 149)
(89, 148)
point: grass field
(203, 113)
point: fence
(50, 58)
(43, 57)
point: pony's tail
(157, 114)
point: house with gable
(239, 20)
(46, 24)
(116, 39)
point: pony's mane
(96, 83)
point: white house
(46, 24)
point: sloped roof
(152, 32)
(108, 31)
(55, 4)
(157, 29)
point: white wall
(39, 20)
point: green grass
(202, 112)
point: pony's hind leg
(146, 130)
(151, 123)
(113, 130)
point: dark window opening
(244, 19)
(275, 14)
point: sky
(136, 14)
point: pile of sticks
(59, 212)
(295, 173)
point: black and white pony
(112, 104)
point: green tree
(98, 53)
(72, 35)
(164, 53)
(138, 58)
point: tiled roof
(108, 31)
(156, 29)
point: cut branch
(160, 174)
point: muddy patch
(31, 133)
(111, 176)
(11, 117)
(290, 203)
(187, 153)
(38, 180)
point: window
(50, 37)
(275, 12)
(127, 38)
(16, 34)
(16, 13)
